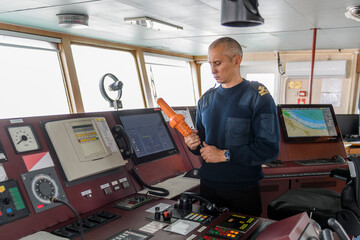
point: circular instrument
(42, 185)
(23, 138)
(44, 188)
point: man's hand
(193, 140)
(212, 154)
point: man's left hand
(212, 154)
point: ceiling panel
(11, 5)
(288, 23)
(349, 37)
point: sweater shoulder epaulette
(259, 87)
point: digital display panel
(84, 147)
(308, 123)
(148, 133)
(238, 222)
(88, 138)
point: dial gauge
(23, 138)
(44, 188)
(42, 185)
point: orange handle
(165, 107)
(176, 120)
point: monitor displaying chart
(308, 123)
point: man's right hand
(193, 140)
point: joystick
(157, 213)
(167, 215)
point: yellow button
(2, 189)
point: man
(238, 130)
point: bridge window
(265, 72)
(207, 79)
(170, 79)
(92, 63)
(267, 79)
(30, 77)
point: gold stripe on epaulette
(263, 90)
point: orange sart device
(176, 120)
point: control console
(130, 234)
(133, 202)
(233, 227)
(12, 204)
(42, 185)
(89, 223)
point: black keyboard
(320, 161)
(352, 139)
(131, 235)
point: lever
(325, 234)
(336, 226)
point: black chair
(323, 204)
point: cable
(279, 64)
(56, 200)
(152, 82)
(162, 191)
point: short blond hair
(231, 46)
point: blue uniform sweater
(243, 120)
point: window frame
(38, 43)
(104, 45)
(189, 61)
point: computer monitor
(308, 123)
(348, 124)
(149, 135)
(192, 111)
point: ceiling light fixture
(71, 20)
(353, 13)
(240, 13)
(153, 24)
